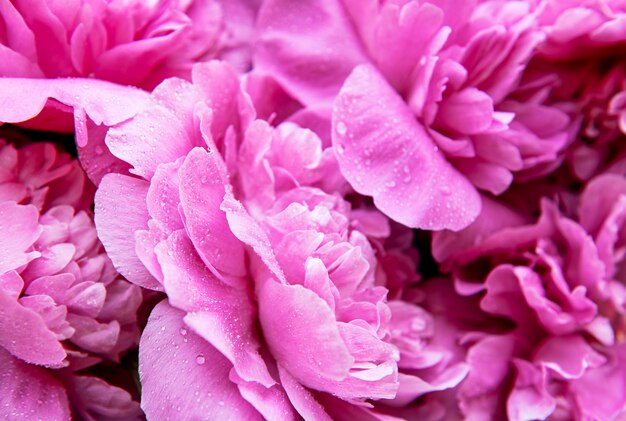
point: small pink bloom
(63, 306)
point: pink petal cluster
(424, 97)
(579, 67)
(267, 268)
(554, 281)
(63, 306)
(337, 209)
(129, 42)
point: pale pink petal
(203, 180)
(385, 153)
(147, 140)
(117, 219)
(310, 59)
(184, 376)
(19, 228)
(218, 83)
(30, 392)
(302, 334)
(26, 336)
(302, 399)
(222, 314)
(103, 102)
(272, 402)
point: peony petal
(272, 402)
(19, 228)
(397, 164)
(184, 376)
(146, 140)
(94, 396)
(30, 392)
(203, 180)
(569, 356)
(103, 102)
(120, 211)
(301, 398)
(26, 336)
(469, 111)
(222, 314)
(529, 400)
(303, 335)
(310, 58)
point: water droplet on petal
(200, 359)
(341, 128)
(183, 331)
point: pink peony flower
(129, 42)
(424, 96)
(579, 68)
(550, 281)
(63, 306)
(38, 174)
(276, 305)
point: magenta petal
(529, 399)
(569, 356)
(303, 335)
(385, 153)
(92, 395)
(25, 335)
(120, 211)
(30, 392)
(202, 190)
(600, 392)
(184, 376)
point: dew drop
(183, 331)
(341, 128)
(200, 359)
(445, 190)
(390, 184)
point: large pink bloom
(275, 304)
(424, 110)
(63, 306)
(129, 42)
